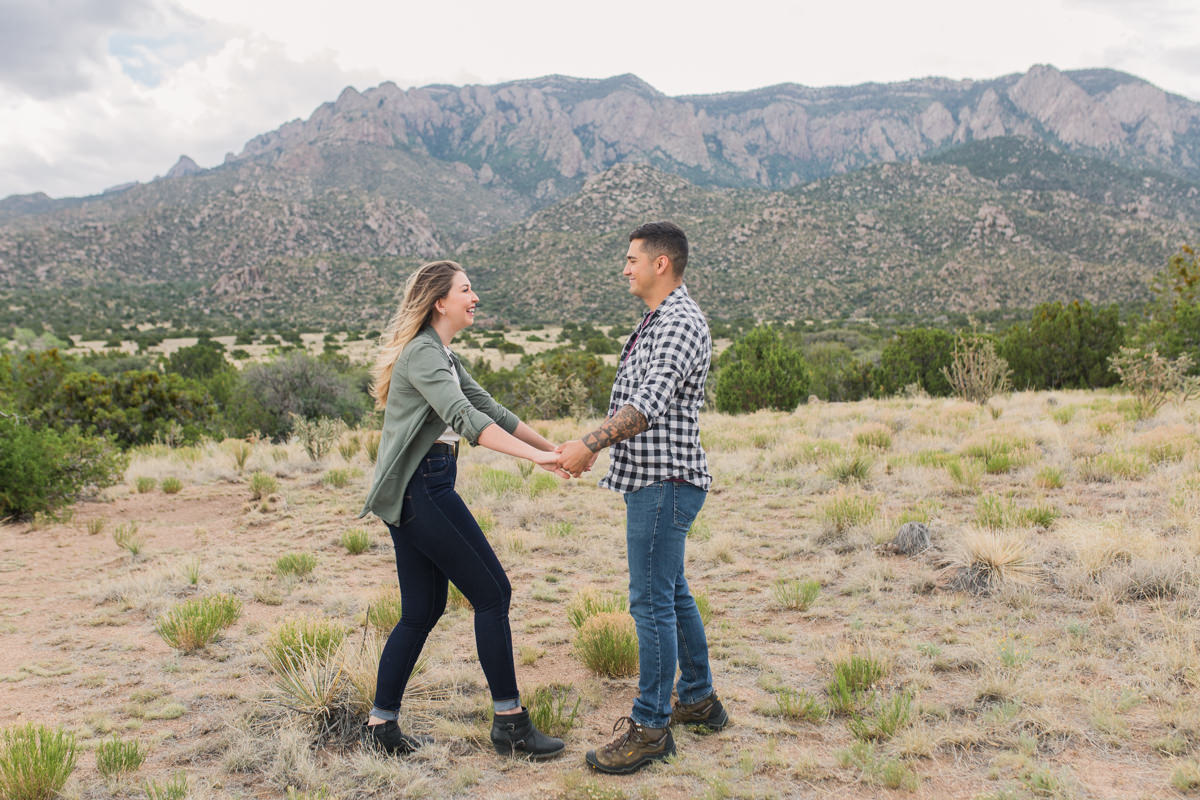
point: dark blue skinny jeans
(437, 541)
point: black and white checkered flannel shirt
(663, 369)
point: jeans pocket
(435, 466)
(688, 501)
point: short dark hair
(664, 238)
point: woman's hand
(548, 460)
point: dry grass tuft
(984, 559)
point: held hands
(575, 458)
(548, 460)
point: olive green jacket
(429, 391)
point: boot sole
(511, 753)
(630, 768)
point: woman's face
(458, 306)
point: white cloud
(123, 87)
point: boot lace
(624, 730)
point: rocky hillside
(802, 202)
(896, 238)
(544, 136)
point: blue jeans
(438, 541)
(670, 633)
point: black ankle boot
(515, 735)
(389, 738)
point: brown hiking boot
(707, 712)
(635, 747)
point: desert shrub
(589, 603)
(340, 478)
(551, 709)
(145, 483)
(874, 435)
(761, 370)
(876, 769)
(1154, 380)
(1063, 347)
(262, 485)
(837, 376)
(915, 356)
(988, 558)
(135, 407)
(703, 606)
(298, 564)
(975, 372)
(171, 485)
(126, 537)
(966, 473)
(356, 541)
(541, 483)
(240, 451)
(269, 394)
(43, 470)
(852, 681)
(607, 645)
(174, 788)
(852, 468)
(35, 762)
(195, 623)
(116, 757)
(371, 445)
(1108, 467)
(1172, 320)
(349, 446)
(846, 511)
(298, 638)
(562, 382)
(384, 610)
(1049, 478)
(798, 704)
(317, 436)
(499, 482)
(794, 593)
(884, 719)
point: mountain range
(922, 197)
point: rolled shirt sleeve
(431, 373)
(676, 351)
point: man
(658, 464)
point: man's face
(640, 269)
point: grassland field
(1044, 645)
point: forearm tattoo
(625, 424)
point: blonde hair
(422, 290)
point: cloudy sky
(94, 93)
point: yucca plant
(298, 638)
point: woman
(430, 401)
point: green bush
(384, 611)
(607, 645)
(761, 370)
(298, 564)
(172, 485)
(262, 485)
(117, 757)
(44, 470)
(296, 383)
(915, 356)
(356, 541)
(35, 762)
(1063, 347)
(195, 623)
